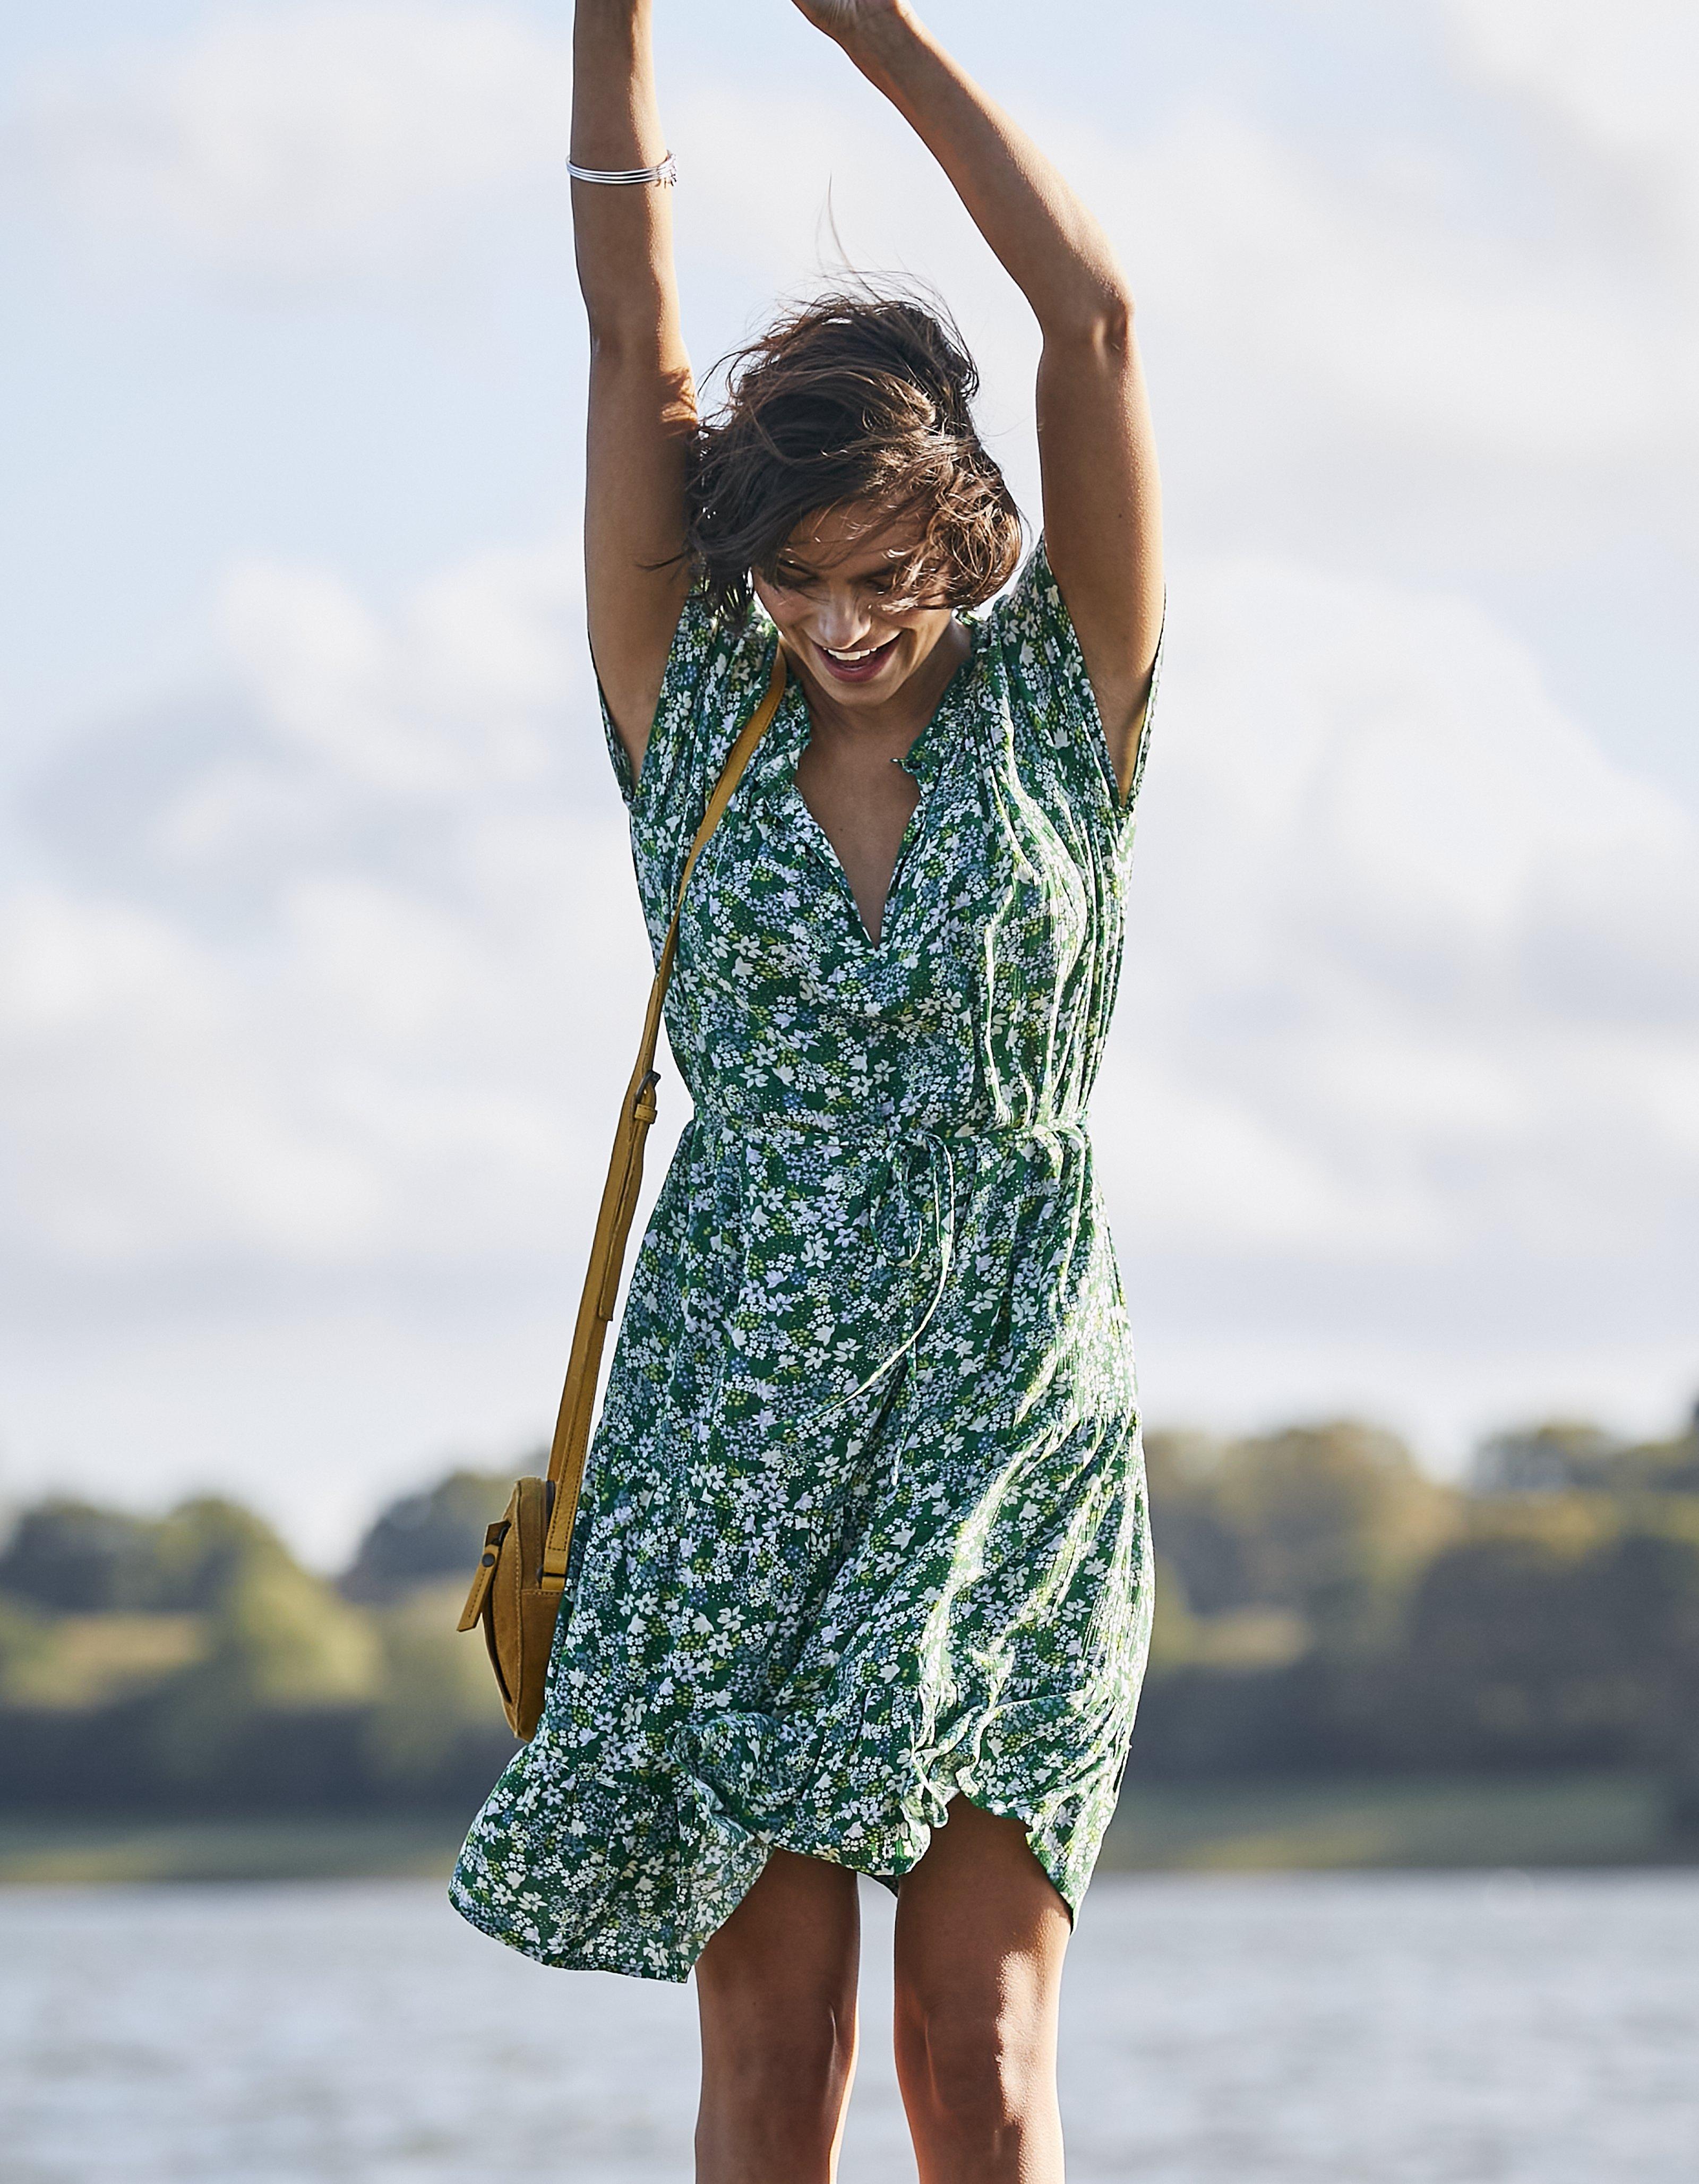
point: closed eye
(880, 584)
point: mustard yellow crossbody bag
(521, 1574)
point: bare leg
(981, 1935)
(776, 1991)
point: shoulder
(716, 670)
(1031, 643)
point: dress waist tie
(927, 1151)
(919, 1158)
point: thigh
(979, 1921)
(981, 1935)
(775, 1989)
(790, 1950)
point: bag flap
(484, 1576)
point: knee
(775, 2068)
(785, 2066)
(980, 2073)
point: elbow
(1114, 329)
(618, 338)
(609, 349)
(1099, 324)
(630, 322)
(632, 343)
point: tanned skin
(980, 1931)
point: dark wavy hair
(859, 397)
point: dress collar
(774, 762)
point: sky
(320, 958)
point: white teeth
(849, 659)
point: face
(838, 591)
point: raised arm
(643, 401)
(1101, 501)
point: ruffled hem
(543, 1869)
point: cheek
(923, 629)
(786, 608)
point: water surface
(1316, 2030)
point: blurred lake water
(1410, 2029)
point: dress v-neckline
(828, 851)
(923, 774)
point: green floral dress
(864, 1526)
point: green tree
(1330, 1522)
(1662, 1467)
(1552, 1458)
(423, 1537)
(1195, 1537)
(1571, 1642)
(437, 1699)
(205, 1547)
(1570, 1455)
(281, 1641)
(76, 1559)
(24, 1638)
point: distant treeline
(1322, 1606)
(189, 1663)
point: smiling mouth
(857, 666)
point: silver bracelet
(667, 174)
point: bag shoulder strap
(625, 1179)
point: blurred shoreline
(1353, 1667)
(1261, 1825)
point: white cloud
(1369, 363)
(314, 141)
(459, 690)
(329, 1013)
(1392, 996)
(135, 1080)
(1372, 307)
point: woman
(861, 1576)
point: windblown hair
(854, 397)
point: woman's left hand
(844, 19)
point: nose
(841, 622)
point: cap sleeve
(1055, 707)
(716, 674)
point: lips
(859, 671)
